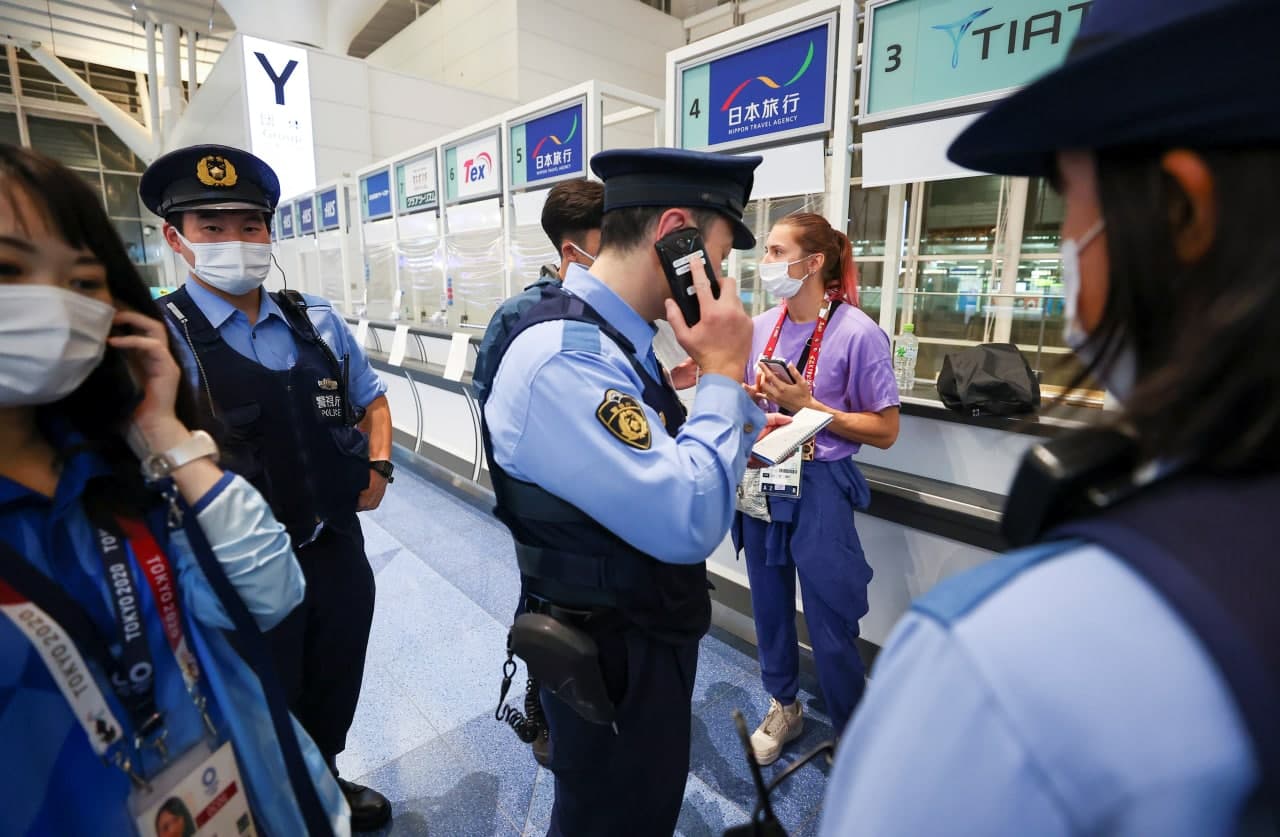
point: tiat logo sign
(478, 168)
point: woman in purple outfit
(839, 362)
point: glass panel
(952, 300)
(870, 282)
(868, 219)
(380, 271)
(130, 233)
(39, 83)
(1037, 309)
(422, 276)
(530, 250)
(331, 278)
(476, 276)
(9, 126)
(122, 195)
(1044, 217)
(71, 143)
(116, 156)
(960, 216)
(94, 180)
(6, 82)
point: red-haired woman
(839, 363)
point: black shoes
(370, 810)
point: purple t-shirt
(855, 368)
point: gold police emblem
(624, 417)
(216, 171)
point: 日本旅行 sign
(923, 56)
(306, 216)
(285, 212)
(764, 91)
(549, 147)
(471, 168)
(416, 188)
(375, 195)
(328, 208)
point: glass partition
(422, 278)
(476, 275)
(381, 285)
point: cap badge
(216, 171)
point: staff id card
(782, 479)
(202, 797)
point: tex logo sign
(477, 169)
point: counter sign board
(375, 195)
(764, 91)
(277, 89)
(472, 168)
(285, 211)
(307, 215)
(328, 208)
(925, 56)
(549, 147)
(416, 186)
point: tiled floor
(425, 734)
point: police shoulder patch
(623, 416)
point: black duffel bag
(992, 378)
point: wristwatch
(157, 466)
(384, 467)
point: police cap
(209, 177)
(671, 177)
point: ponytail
(839, 271)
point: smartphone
(779, 367)
(674, 252)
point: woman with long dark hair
(837, 362)
(1120, 675)
(117, 678)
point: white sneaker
(781, 725)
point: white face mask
(1073, 332)
(236, 267)
(776, 279)
(1122, 373)
(51, 339)
(583, 252)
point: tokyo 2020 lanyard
(814, 344)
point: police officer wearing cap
(304, 418)
(614, 497)
(1120, 675)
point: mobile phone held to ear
(778, 367)
(674, 252)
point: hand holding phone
(718, 337)
(778, 366)
(675, 252)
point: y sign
(278, 80)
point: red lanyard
(815, 342)
(164, 590)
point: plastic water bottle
(904, 357)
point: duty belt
(593, 617)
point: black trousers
(631, 782)
(320, 647)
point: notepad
(786, 440)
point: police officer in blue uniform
(1122, 675)
(304, 418)
(613, 496)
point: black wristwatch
(385, 467)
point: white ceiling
(110, 32)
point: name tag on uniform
(782, 479)
(201, 795)
(329, 407)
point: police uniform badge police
(624, 417)
(216, 170)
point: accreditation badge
(782, 479)
(199, 795)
